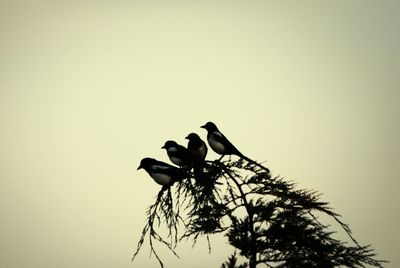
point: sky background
(87, 89)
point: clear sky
(87, 89)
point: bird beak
(163, 147)
(139, 167)
(203, 126)
(187, 137)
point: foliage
(267, 219)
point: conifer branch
(280, 228)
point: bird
(197, 147)
(162, 173)
(221, 145)
(218, 142)
(178, 154)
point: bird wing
(183, 153)
(162, 167)
(229, 147)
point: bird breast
(161, 178)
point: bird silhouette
(197, 147)
(221, 145)
(162, 173)
(178, 154)
(199, 150)
(218, 142)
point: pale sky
(88, 89)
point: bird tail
(251, 161)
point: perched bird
(178, 154)
(162, 173)
(221, 145)
(218, 142)
(197, 147)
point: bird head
(192, 137)
(169, 144)
(210, 126)
(145, 163)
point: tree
(267, 219)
